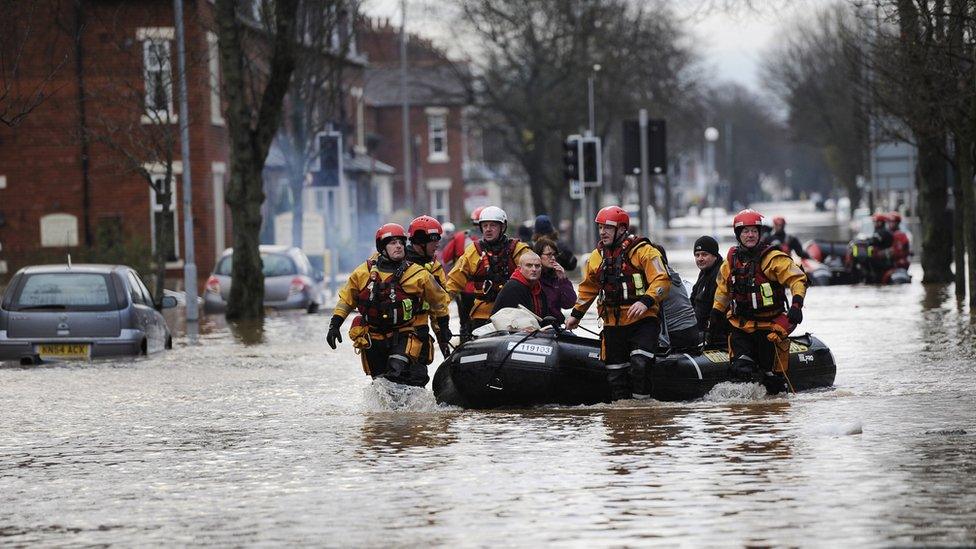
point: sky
(732, 42)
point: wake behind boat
(558, 367)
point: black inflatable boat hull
(506, 369)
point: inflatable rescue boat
(558, 367)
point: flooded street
(286, 442)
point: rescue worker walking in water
(425, 235)
(626, 276)
(751, 293)
(389, 292)
(487, 263)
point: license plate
(64, 350)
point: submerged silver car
(71, 312)
(290, 282)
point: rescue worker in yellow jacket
(488, 264)
(627, 277)
(425, 234)
(751, 293)
(389, 293)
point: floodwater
(273, 438)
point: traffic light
(571, 158)
(328, 171)
(657, 149)
(592, 175)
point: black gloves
(334, 334)
(795, 315)
(444, 334)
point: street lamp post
(711, 136)
(189, 264)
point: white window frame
(439, 190)
(437, 129)
(158, 171)
(213, 65)
(159, 37)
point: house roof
(428, 85)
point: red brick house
(437, 98)
(73, 173)
(69, 171)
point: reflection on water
(286, 442)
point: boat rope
(496, 382)
(580, 326)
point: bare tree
(923, 60)
(32, 54)
(532, 66)
(818, 74)
(314, 102)
(257, 59)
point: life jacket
(429, 264)
(621, 283)
(494, 269)
(385, 305)
(752, 293)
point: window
(157, 65)
(440, 198)
(65, 291)
(170, 219)
(135, 292)
(437, 135)
(213, 64)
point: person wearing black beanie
(708, 261)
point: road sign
(575, 190)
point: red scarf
(534, 288)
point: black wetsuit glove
(715, 319)
(334, 334)
(795, 315)
(444, 335)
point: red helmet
(476, 215)
(779, 220)
(882, 217)
(422, 229)
(746, 218)
(894, 217)
(386, 232)
(615, 216)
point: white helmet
(448, 227)
(493, 213)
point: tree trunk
(251, 129)
(164, 233)
(932, 196)
(958, 236)
(245, 196)
(965, 165)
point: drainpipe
(83, 125)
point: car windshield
(274, 265)
(64, 291)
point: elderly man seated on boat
(524, 287)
